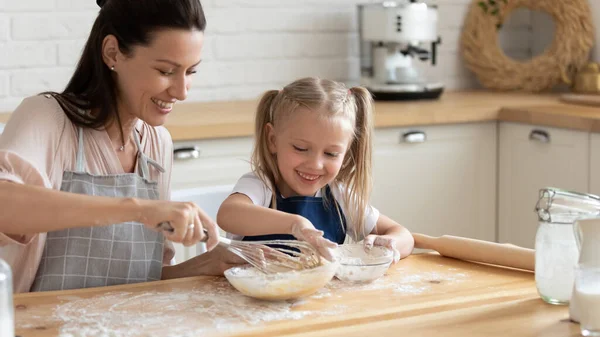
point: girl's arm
(239, 215)
(391, 234)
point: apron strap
(80, 153)
(142, 159)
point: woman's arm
(213, 263)
(389, 232)
(30, 209)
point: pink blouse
(39, 143)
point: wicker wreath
(568, 52)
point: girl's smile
(310, 150)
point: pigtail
(263, 164)
(357, 166)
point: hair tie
(100, 3)
(348, 95)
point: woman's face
(154, 77)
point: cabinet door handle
(539, 136)
(186, 153)
(414, 137)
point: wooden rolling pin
(478, 251)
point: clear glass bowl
(360, 266)
(280, 286)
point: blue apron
(323, 215)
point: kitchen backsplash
(251, 45)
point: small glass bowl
(360, 266)
(280, 286)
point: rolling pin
(467, 249)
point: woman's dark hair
(133, 23)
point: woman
(101, 139)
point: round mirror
(526, 34)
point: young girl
(311, 172)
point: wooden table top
(423, 295)
(207, 120)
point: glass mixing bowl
(360, 266)
(280, 286)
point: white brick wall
(251, 45)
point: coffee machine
(393, 35)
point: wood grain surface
(422, 295)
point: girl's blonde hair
(334, 100)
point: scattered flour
(208, 309)
(408, 285)
(204, 311)
(355, 255)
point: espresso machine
(393, 35)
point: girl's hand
(302, 229)
(383, 241)
(181, 222)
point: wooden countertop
(424, 295)
(202, 120)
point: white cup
(587, 293)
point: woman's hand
(302, 229)
(181, 221)
(212, 263)
(386, 241)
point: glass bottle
(556, 251)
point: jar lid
(561, 206)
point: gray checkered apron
(104, 255)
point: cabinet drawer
(438, 180)
(414, 135)
(218, 162)
(531, 158)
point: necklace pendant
(122, 148)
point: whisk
(288, 255)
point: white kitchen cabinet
(206, 175)
(219, 162)
(531, 158)
(209, 199)
(438, 180)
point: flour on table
(209, 309)
(203, 311)
(406, 285)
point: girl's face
(156, 76)
(309, 150)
